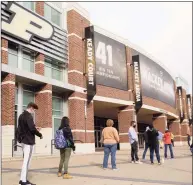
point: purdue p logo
(24, 24)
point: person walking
(26, 132)
(133, 138)
(65, 153)
(146, 143)
(168, 143)
(109, 138)
(153, 144)
(172, 138)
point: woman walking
(66, 152)
(110, 138)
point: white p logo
(25, 24)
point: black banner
(156, 82)
(189, 108)
(180, 104)
(111, 69)
(90, 63)
(137, 83)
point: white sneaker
(115, 169)
(138, 162)
(132, 162)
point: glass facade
(52, 15)
(12, 55)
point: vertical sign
(137, 82)
(90, 63)
(181, 109)
(189, 108)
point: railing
(53, 145)
(141, 140)
(14, 146)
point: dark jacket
(27, 129)
(68, 135)
(145, 137)
(152, 138)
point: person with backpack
(146, 143)
(64, 142)
(26, 132)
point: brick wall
(160, 122)
(4, 53)
(43, 99)
(159, 104)
(39, 64)
(40, 8)
(125, 116)
(175, 128)
(76, 24)
(8, 100)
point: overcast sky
(162, 29)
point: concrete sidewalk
(87, 170)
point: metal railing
(14, 146)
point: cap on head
(32, 105)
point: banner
(90, 63)
(156, 82)
(180, 104)
(189, 108)
(111, 69)
(137, 83)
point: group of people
(27, 131)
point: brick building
(52, 72)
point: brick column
(185, 124)
(125, 116)
(80, 120)
(4, 51)
(39, 64)
(40, 8)
(8, 100)
(43, 99)
(160, 122)
(175, 128)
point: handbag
(102, 139)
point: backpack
(60, 141)
(19, 134)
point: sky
(163, 29)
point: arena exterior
(54, 56)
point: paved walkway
(87, 170)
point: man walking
(153, 144)
(133, 138)
(146, 142)
(26, 132)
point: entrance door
(99, 124)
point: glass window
(28, 61)
(27, 98)
(51, 14)
(57, 109)
(52, 70)
(12, 55)
(57, 122)
(29, 5)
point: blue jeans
(145, 151)
(110, 148)
(156, 150)
(166, 148)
